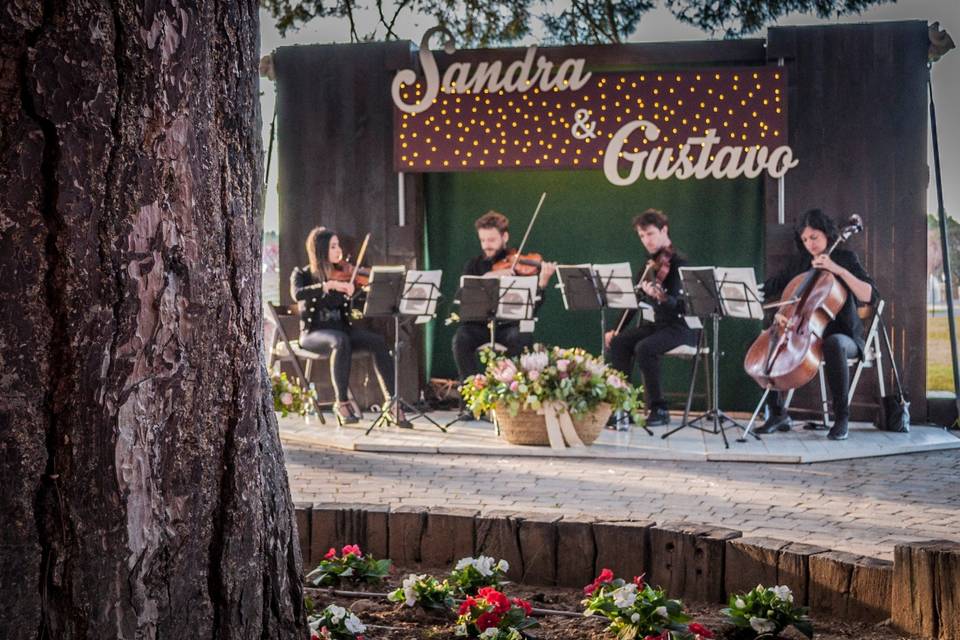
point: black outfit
(647, 342)
(325, 329)
(472, 335)
(843, 337)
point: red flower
(700, 630)
(500, 602)
(332, 553)
(523, 604)
(605, 576)
(314, 635)
(352, 548)
(638, 580)
(466, 605)
(663, 635)
(487, 620)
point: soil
(386, 620)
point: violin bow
(363, 250)
(527, 232)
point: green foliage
(765, 612)
(352, 565)
(470, 574)
(336, 623)
(289, 397)
(493, 616)
(486, 23)
(424, 590)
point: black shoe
(839, 430)
(658, 417)
(342, 419)
(781, 422)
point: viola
(522, 264)
(788, 358)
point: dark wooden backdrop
(857, 124)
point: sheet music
(617, 283)
(420, 293)
(517, 297)
(578, 286)
(738, 292)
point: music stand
(616, 291)
(391, 290)
(703, 299)
(579, 288)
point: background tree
(144, 492)
(484, 23)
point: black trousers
(470, 336)
(341, 345)
(644, 345)
(837, 348)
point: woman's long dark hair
(318, 250)
(815, 219)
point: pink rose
(533, 375)
(615, 381)
(504, 371)
(286, 398)
(514, 385)
(563, 364)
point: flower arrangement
(350, 564)
(637, 610)
(424, 590)
(335, 623)
(571, 376)
(289, 397)
(493, 616)
(470, 574)
(766, 611)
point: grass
(939, 370)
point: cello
(788, 358)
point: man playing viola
(647, 342)
(493, 233)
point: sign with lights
(531, 114)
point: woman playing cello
(843, 337)
(323, 299)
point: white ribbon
(559, 425)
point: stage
(478, 438)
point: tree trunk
(143, 488)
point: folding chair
(283, 349)
(696, 353)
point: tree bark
(143, 488)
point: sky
(659, 25)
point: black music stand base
(387, 416)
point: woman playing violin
(844, 337)
(493, 233)
(323, 297)
(647, 342)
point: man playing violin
(843, 337)
(324, 302)
(647, 342)
(493, 233)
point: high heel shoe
(399, 419)
(342, 419)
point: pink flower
(352, 548)
(562, 364)
(514, 385)
(615, 381)
(533, 375)
(479, 381)
(504, 371)
(286, 398)
(332, 553)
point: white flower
(626, 595)
(783, 592)
(463, 563)
(484, 564)
(336, 613)
(740, 604)
(353, 624)
(762, 625)
(595, 368)
(489, 632)
(536, 361)
(503, 566)
(409, 595)
(661, 611)
(461, 630)
(635, 618)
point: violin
(662, 268)
(522, 264)
(344, 271)
(788, 358)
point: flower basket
(529, 427)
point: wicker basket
(529, 427)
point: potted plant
(518, 388)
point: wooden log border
(698, 562)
